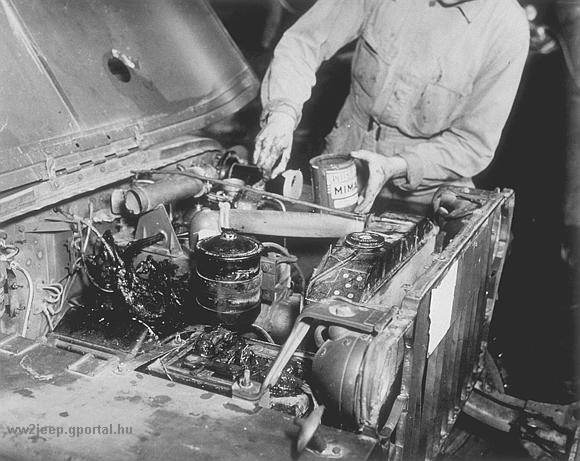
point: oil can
(334, 181)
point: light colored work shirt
(430, 83)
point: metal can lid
(365, 240)
(229, 245)
(331, 161)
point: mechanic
(432, 84)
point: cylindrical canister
(229, 278)
(334, 181)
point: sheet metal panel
(79, 75)
(167, 421)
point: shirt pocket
(365, 67)
(434, 109)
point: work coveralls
(430, 83)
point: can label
(342, 186)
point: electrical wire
(88, 223)
(58, 295)
(48, 318)
(264, 333)
(67, 287)
(55, 292)
(102, 239)
(15, 266)
(285, 252)
(278, 247)
(88, 236)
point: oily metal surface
(167, 420)
(215, 358)
(355, 272)
(126, 297)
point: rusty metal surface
(79, 76)
(167, 420)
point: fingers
(270, 160)
(363, 155)
(283, 162)
(367, 199)
(378, 176)
(266, 154)
(269, 147)
(262, 147)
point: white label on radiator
(441, 308)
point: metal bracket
(157, 221)
(345, 313)
(331, 311)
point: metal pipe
(279, 223)
(142, 198)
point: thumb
(282, 164)
(362, 155)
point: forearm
(315, 37)
(467, 147)
(448, 157)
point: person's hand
(381, 170)
(274, 142)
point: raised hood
(86, 81)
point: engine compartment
(195, 282)
(220, 294)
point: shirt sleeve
(468, 146)
(315, 37)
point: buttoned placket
(385, 96)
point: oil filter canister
(229, 279)
(334, 181)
